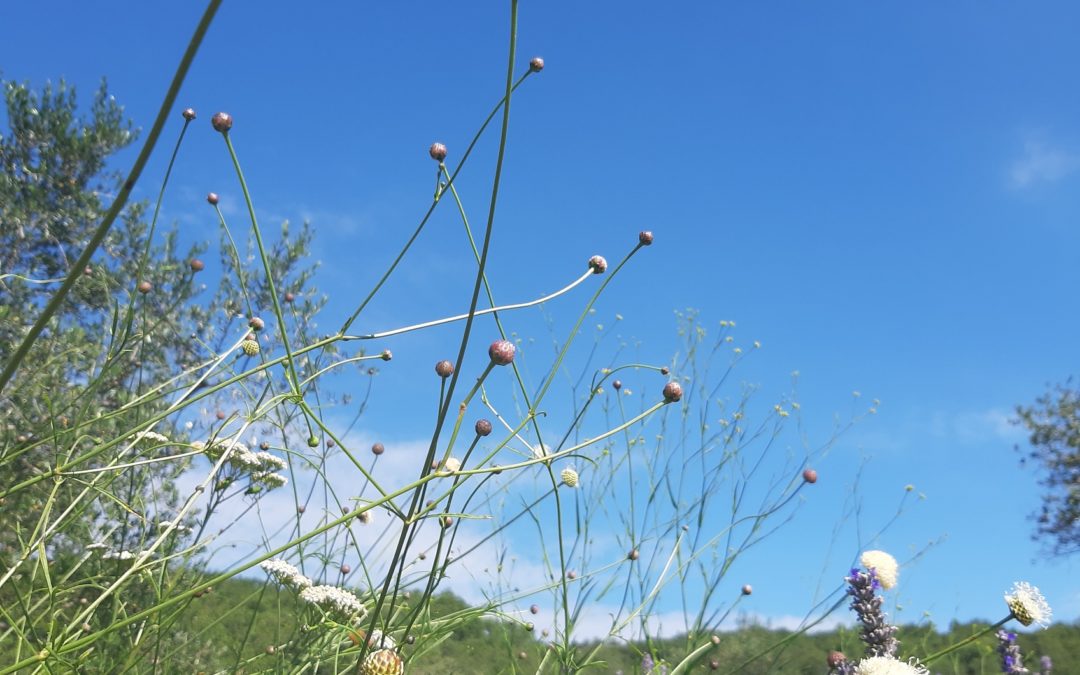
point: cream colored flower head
(884, 565)
(451, 465)
(1028, 605)
(887, 665)
(570, 477)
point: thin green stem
(968, 640)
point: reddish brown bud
(598, 264)
(645, 238)
(483, 427)
(537, 64)
(672, 392)
(633, 554)
(664, 370)
(289, 297)
(256, 323)
(386, 355)
(502, 352)
(212, 198)
(222, 122)
(189, 114)
(836, 659)
(617, 384)
(378, 449)
(145, 287)
(810, 476)
(714, 664)
(88, 270)
(220, 415)
(437, 152)
(196, 265)
(571, 575)
(264, 446)
(444, 369)
(747, 589)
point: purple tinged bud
(672, 392)
(645, 238)
(378, 449)
(437, 152)
(536, 64)
(598, 264)
(483, 427)
(502, 352)
(222, 122)
(189, 114)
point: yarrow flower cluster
(332, 597)
(285, 573)
(1028, 605)
(262, 466)
(887, 665)
(149, 437)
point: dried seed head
(633, 554)
(483, 427)
(672, 392)
(617, 384)
(502, 352)
(189, 114)
(810, 476)
(145, 287)
(437, 152)
(250, 347)
(256, 323)
(196, 265)
(444, 369)
(747, 589)
(212, 198)
(537, 64)
(222, 122)
(645, 238)
(378, 449)
(598, 264)
(386, 355)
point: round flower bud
(313, 442)
(570, 477)
(250, 347)
(222, 122)
(88, 270)
(382, 662)
(345, 569)
(836, 659)
(447, 521)
(270, 649)
(672, 392)
(196, 265)
(715, 639)
(301, 508)
(664, 370)
(536, 64)
(535, 609)
(410, 639)
(483, 427)
(289, 297)
(522, 655)
(330, 443)
(220, 415)
(378, 449)
(444, 369)
(256, 323)
(530, 626)
(714, 664)
(502, 352)
(264, 446)
(810, 476)
(645, 238)
(617, 384)
(386, 355)
(437, 152)
(571, 575)
(145, 287)
(747, 589)
(633, 554)
(598, 264)
(189, 114)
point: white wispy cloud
(977, 426)
(1042, 162)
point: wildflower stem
(968, 640)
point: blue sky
(885, 195)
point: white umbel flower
(150, 437)
(284, 573)
(887, 665)
(332, 597)
(884, 566)
(1028, 605)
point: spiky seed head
(289, 297)
(382, 662)
(672, 392)
(378, 449)
(196, 265)
(212, 198)
(145, 287)
(444, 369)
(250, 347)
(221, 121)
(598, 264)
(313, 442)
(386, 355)
(617, 384)
(437, 152)
(747, 589)
(483, 427)
(570, 477)
(645, 238)
(256, 323)
(633, 554)
(536, 64)
(810, 476)
(502, 352)
(535, 609)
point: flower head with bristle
(382, 662)
(886, 665)
(884, 566)
(1028, 605)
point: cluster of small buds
(285, 574)
(261, 465)
(877, 634)
(888, 665)
(1012, 662)
(151, 438)
(334, 598)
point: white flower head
(887, 665)
(270, 461)
(570, 477)
(1028, 605)
(884, 566)
(150, 437)
(451, 465)
(285, 573)
(332, 597)
(270, 479)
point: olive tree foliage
(1053, 425)
(97, 370)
